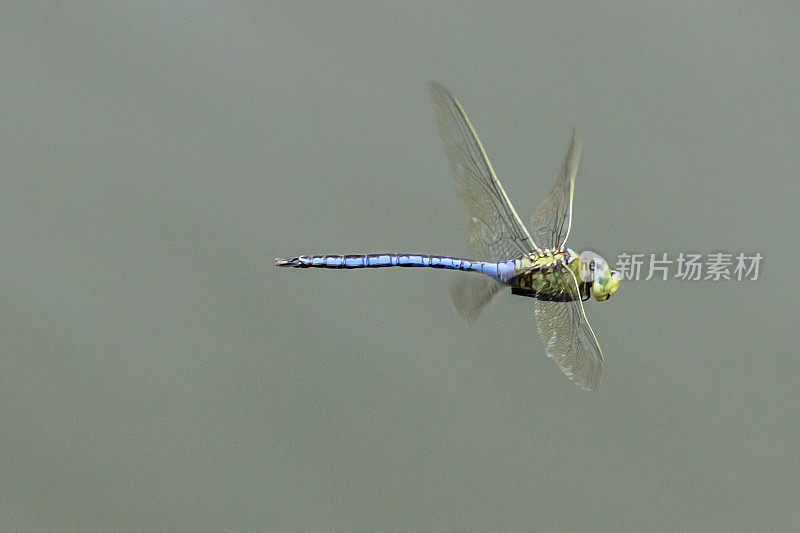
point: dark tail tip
(286, 262)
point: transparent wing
(568, 337)
(472, 292)
(552, 220)
(495, 230)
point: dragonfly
(535, 264)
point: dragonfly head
(605, 285)
(595, 270)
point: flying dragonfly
(534, 264)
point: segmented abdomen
(500, 271)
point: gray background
(158, 372)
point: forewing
(552, 220)
(495, 230)
(568, 337)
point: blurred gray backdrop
(157, 372)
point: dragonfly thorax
(545, 275)
(545, 258)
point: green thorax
(544, 275)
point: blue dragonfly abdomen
(501, 271)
